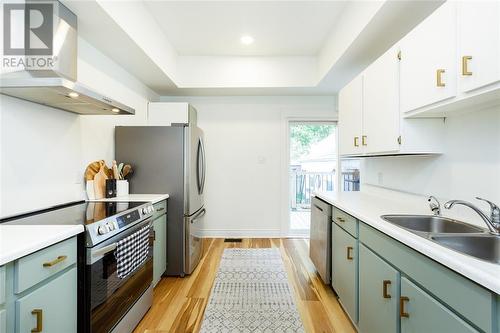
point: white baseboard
(241, 233)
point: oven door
(109, 297)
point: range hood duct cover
(56, 86)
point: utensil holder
(122, 188)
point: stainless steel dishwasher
(321, 238)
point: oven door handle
(103, 250)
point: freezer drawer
(320, 238)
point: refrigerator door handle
(204, 165)
(199, 215)
(199, 167)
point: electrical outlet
(380, 178)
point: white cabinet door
(166, 114)
(350, 117)
(479, 44)
(381, 104)
(428, 60)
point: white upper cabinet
(370, 121)
(350, 116)
(381, 104)
(168, 113)
(428, 60)
(478, 44)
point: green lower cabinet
(160, 248)
(420, 312)
(345, 270)
(378, 294)
(52, 306)
(3, 321)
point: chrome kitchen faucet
(493, 222)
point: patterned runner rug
(251, 293)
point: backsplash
(469, 167)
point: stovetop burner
(101, 220)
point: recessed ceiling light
(115, 110)
(246, 40)
(73, 94)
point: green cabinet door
(52, 306)
(420, 312)
(378, 294)
(3, 321)
(345, 270)
(160, 248)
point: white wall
(469, 167)
(44, 151)
(244, 145)
(40, 156)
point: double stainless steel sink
(456, 235)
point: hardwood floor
(179, 303)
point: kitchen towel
(131, 252)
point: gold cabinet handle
(402, 312)
(356, 143)
(39, 320)
(340, 219)
(465, 63)
(349, 253)
(386, 284)
(439, 78)
(55, 261)
(363, 140)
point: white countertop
(154, 198)
(368, 207)
(16, 241)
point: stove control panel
(106, 228)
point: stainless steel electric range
(106, 302)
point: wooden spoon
(116, 175)
(127, 169)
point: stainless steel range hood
(54, 83)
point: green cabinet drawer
(346, 221)
(420, 312)
(56, 302)
(3, 321)
(2, 285)
(345, 270)
(160, 208)
(378, 294)
(160, 248)
(470, 300)
(43, 264)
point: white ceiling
(192, 47)
(280, 28)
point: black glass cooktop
(73, 213)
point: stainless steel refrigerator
(170, 159)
